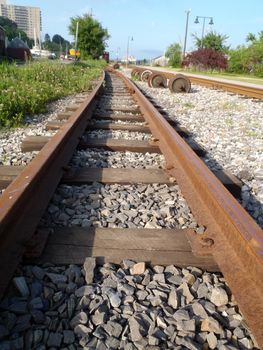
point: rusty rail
(25, 199)
(232, 236)
(250, 90)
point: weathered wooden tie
(119, 175)
(71, 245)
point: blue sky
(153, 24)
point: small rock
(112, 343)
(186, 326)
(84, 290)
(37, 336)
(38, 272)
(98, 317)
(219, 296)
(38, 316)
(127, 264)
(211, 325)
(159, 277)
(89, 266)
(181, 315)
(173, 299)
(18, 307)
(198, 310)
(247, 343)
(81, 330)
(54, 339)
(80, 318)
(36, 304)
(153, 341)
(114, 298)
(138, 269)
(68, 337)
(212, 340)
(21, 285)
(36, 289)
(113, 329)
(158, 269)
(135, 329)
(186, 292)
(57, 278)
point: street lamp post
(203, 29)
(186, 31)
(129, 39)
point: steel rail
(232, 236)
(25, 199)
(250, 90)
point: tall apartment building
(27, 18)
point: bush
(174, 53)
(25, 90)
(205, 59)
(238, 61)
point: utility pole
(186, 32)
(128, 50)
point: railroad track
(163, 78)
(224, 237)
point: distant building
(159, 61)
(27, 18)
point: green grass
(26, 90)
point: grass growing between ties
(26, 90)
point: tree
(174, 54)
(47, 38)
(58, 39)
(250, 37)
(91, 37)
(206, 59)
(212, 40)
(12, 31)
(249, 58)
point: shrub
(205, 59)
(174, 53)
(25, 90)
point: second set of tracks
(229, 240)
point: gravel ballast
(229, 127)
(123, 206)
(106, 159)
(117, 134)
(127, 307)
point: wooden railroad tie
(119, 175)
(71, 245)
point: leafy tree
(58, 39)
(174, 54)
(212, 40)
(12, 31)
(250, 37)
(249, 58)
(91, 37)
(47, 38)
(58, 45)
(205, 59)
